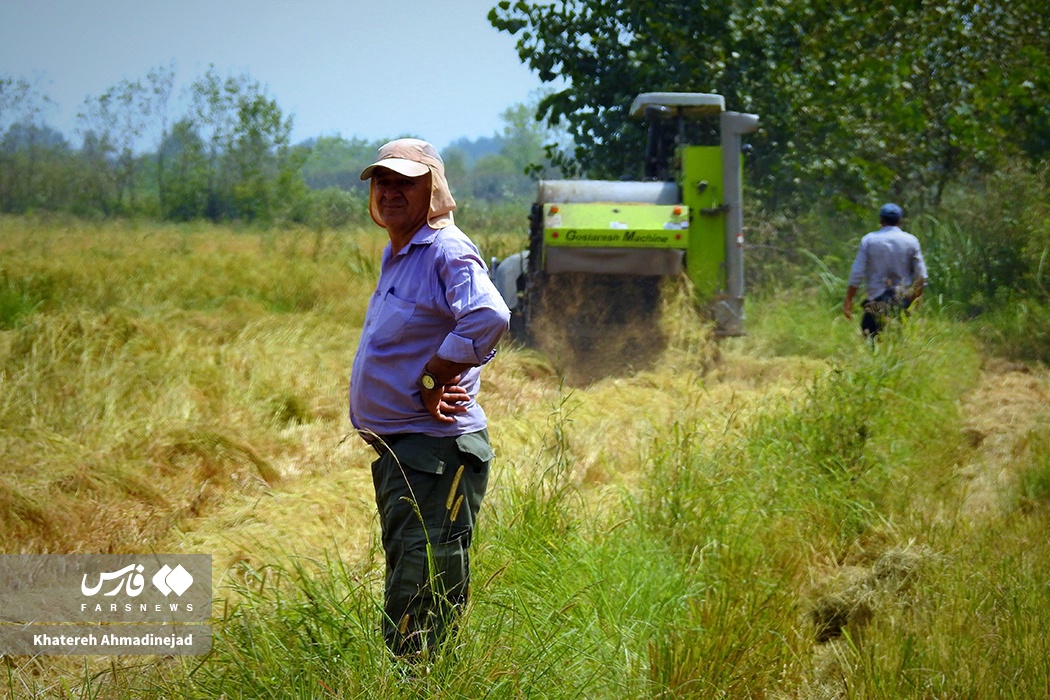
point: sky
(370, 69)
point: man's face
(403, 202)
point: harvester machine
(600, 251)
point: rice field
(789, 514)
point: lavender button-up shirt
(887, 258)
(433, 297)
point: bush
(20, 298)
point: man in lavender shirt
(434, 319)
(889, 263)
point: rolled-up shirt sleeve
(481, 315)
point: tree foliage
(335, 161)
(228, 156)
(858, 102)
(250, 169)
(116, 120)
(26, 146)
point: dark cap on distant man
(890, 213)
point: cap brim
(409, 168)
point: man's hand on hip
(445, 400)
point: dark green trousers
(428, 491)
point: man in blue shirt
(889, 263)
(434, 319)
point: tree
(506, 164)
(456, 162)
(258, 157)
(34, 154)
(20, 103)
(857, 101)
(252, 172)
(117, 124)
(212, 114)
(159, 83)
(118, 118)
(534, 148)
(335, 161)
(183, 156)
(496, 177)
(26, 140)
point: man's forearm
(916, 289)
(847, 305)
(445, 371)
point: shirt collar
(424, 236)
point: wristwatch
(428, 380)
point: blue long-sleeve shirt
(887, 258)
(433, 297)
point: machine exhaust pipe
(729, 310)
